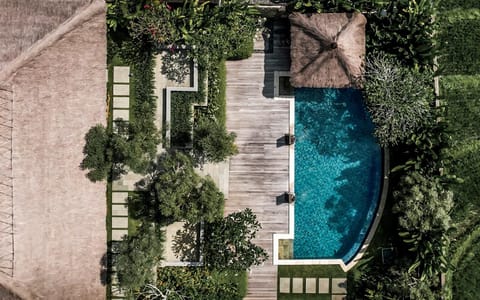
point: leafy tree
(177, 192)
(398, 98)
(212, 142)
(96, 160)
(228, 242)
(137, 256)
(105, 152)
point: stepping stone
(121, 102)
(117, 234)
(120, 197)
(123, 114)
(339, 285)
(284, 285)
(323, 285)
(119, 210)
(117, 291)
(121, 90)
(119, 222)
(297, 285)
(121, 74)
(339, 297)
(310, 285)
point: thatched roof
(54, 92)
(327, 50)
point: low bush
(398, 98)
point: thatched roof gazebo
(327, 50)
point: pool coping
(291, 209)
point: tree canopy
(177, 192)
(137, 256)
(228, 242)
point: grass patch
(461, 94)
(459, 40)
(466, 276)
(454, 4)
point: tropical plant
(212, 142)
(206, 33)
(403, 28)
(398, 98)
(312, 6)
(228, 242)
(136, 257)
(194, 283)
(423, 206)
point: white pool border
(291, 208)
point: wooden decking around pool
(259, 173)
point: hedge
(181, 125)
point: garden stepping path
(298, 285)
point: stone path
(336, 287)
(121, 93)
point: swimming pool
(338, 169)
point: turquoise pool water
(338, 169)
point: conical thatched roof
(327, 50)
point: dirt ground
(59, 216)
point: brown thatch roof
(327, 50)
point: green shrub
(217, 85)
(459, 40)
(135, 257)
(174, 191)
(398, 99)
(242, 50)
(182, 113)
(197, 283)
(95, 152)
(403, 28)
(212, 142)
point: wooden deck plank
(259, 173)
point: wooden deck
(259, 173)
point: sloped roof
(327, 50)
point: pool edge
(291, 212)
